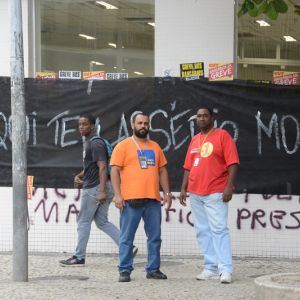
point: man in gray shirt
(97, 191)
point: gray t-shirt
(94, 150)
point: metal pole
(235, 39)
(19, 146)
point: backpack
(109, 150)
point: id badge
(196, 161)
(143, 162)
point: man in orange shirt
(138, 167)
(210, 168)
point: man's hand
(184, 186)
(228, 191)
(78, 182)
(119, 202)
(182, 197)
(101, 197)
(227, 194)
(167, 201)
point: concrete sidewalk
(99, 279)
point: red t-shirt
(208, 169)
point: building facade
(146, 38)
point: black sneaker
(72, 262)
(124, 277)
(156, 275)
(134, 251)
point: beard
(205, 126)
(142, 133)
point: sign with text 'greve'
(46, 75)
(94, 75)
(220, 71)
(285, 78)
(192, 71)
(69, 74)
(116, 76)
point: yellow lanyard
(200, 146)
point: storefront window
(116, 36)
(262, 46)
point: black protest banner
(263, 119)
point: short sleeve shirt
(207, 159)
(137, 183)
(94, 150)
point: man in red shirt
(211, 165)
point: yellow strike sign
(192, 70)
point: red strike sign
(220, 72)
(285, 78)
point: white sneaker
(207, 274)
(225, 277)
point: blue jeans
(129, 222)
(210, 220)
(90, 210)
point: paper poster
(29, 187)
(46, 75)
(95, 75)
(69, 74)
(220, 71)
(192, 71)
(285, 78)
(116, 76)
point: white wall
(191, 31)
(266, 226)
(5, 37)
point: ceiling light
(88, 37)
(115, 67)
(262, 23)
(151, 24)
(138, 73)
(112, 45)
(123, 69)
(97, 63)
(289, 38)
(106, 5)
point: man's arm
(184, 186)
(165, 184)
(228, 191)
(102, 165)
(78, 180)
(116, 184)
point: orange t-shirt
(209, 170)
(136, 182)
